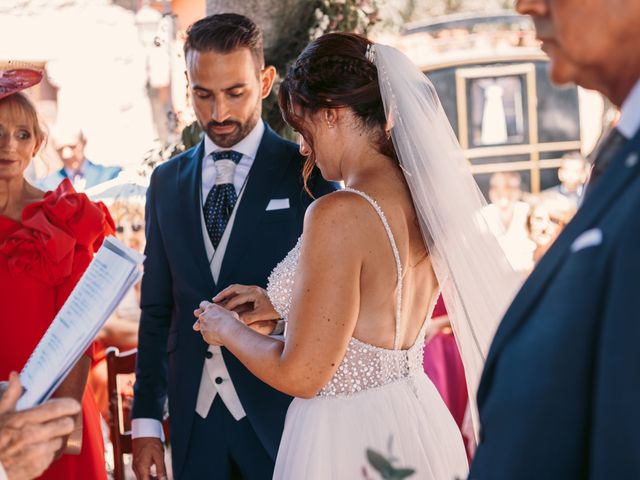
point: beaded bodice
(364, 366)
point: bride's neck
(370, 169)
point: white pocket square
(590, 238)
(278, 204)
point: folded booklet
(112, 272)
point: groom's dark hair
(333, 72)
(224, 33)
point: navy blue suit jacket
(560, 393)
(177, 278)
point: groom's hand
(246, 312)
(242, 296)
(148, 451)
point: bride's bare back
(378, 282)
(346, 279)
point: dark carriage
(492, 79)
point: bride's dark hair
(333, 72)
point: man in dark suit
(560, 391)
(223, 212)
(70, 143)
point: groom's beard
(241, 130)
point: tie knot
(225, 161)
(232, 155)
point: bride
(358, 287)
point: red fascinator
(13, 80)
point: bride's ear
(331, 117)
(388, 126)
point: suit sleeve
(156, 303)
(615, 435)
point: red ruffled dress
(41, 259)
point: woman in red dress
(46, 242)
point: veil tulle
(476, 279)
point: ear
(37, 148)
(389, 124)
(331, 116)
(267, 76)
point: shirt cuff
(3, 473)
(145, 427)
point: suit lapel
(265, 174)
(603, 195)
(189, 185)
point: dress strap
(425, 323)
(396, 255)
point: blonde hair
(123, 209)
(21, 105)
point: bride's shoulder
(336, 205)
(340, 211)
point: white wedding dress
(378, 398)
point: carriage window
(509, 117)
(497, 110)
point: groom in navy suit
(560, 394)
(223, 212)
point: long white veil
(476, 279)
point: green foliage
(189, 137)
(385, 468)
(357, 16)
(323, 16)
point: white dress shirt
(215, 378)
(3, 473)
(629, 123)
(78, 179)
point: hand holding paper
(113, 271)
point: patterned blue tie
(222, 197)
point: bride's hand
(212, 320)
(252, 305)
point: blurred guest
(47, 240)
(547, 219)
(505, 195)
(30, 439)
(70, 142)
(121, 330)
(573, 173)
(507, 216)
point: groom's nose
(219, 112)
